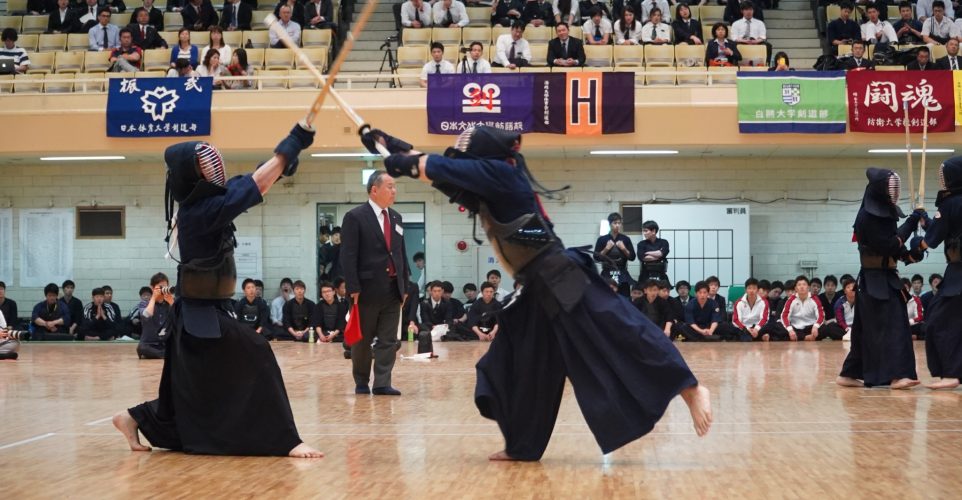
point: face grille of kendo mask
(895, 188)
(211, 163)
(464, 140)
(942, 185)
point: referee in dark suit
(376, 271)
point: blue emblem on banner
(159, 107)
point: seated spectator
(844, 30)
(655, 308)
(178, 5)
(830, 295)
(720, 50)
(750, 30)
(734, 10)
(88, 15)
(184, 50)
(907, 28)
(103, 35)
(473, 62)
(597, 30)
(511, 50)
(63, 19)
(649, 5)
(750, 314)
(237, 15)
(133, 317)
(587, 10)
(858, 62)
(182, 69)
(459, 315)
(507, 12)
(815, 288)
(713, 285)
(494, 277)
(199, 15)
(8, 307)
(483, 314)
(292, 28)
(637, 292)
(99, 322)
(916, 315)
(565, 11)
(212, 67)
(687, 30)
(801, 316)
(656, 32)
(863, 5)
(297, 10)
(781, 63)
(155, 16)
(436, 66)
(74, 306)
(925, 9)
(38, 7)
(417, 14)
(422, 274)
(240, 67)
(775, 300)
(433, 311)
(565, 50)
(253, 311)
(449, 14)
(109, 301)
(470, 291)
(285, 292)
(153, 319)
(922, 61)
(297, 315)
(127, 57)
(916, 284)
(877, 32)
(844, 314)
(938, 29)
(679, 303)
(145, 35)
(340, 286)
(319, 14)
(536, 13)
(50, 316)
(8, 346)
(217, 43)
(934, 281)
(330, 316)
(702, 317)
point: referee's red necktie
(391, 271)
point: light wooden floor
(782, 430)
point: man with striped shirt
(9, 50)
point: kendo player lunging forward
(564, 322)
(221, 391)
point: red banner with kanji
(877, 100)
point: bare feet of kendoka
(500, 456)
(946, 383)
(698, 399)
(848, 382)
(128, 427)
(304, 451)
(904, 383)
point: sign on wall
(877, 100)
(159, 107)
(249, 258)
(579, 103)
(806, 102)
(46, 246)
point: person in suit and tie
(319, 14)
(922, 61)
(63, 19)
(952, 61)
(145, 35)
(236, 16)
(376, 270)
(858, 62)
(199, 15)
(564, 50)
(155, 17)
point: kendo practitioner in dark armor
(881, 352)
(653, 254)
(614, 250)
(943, 337)
(221, 391)
(563, 322)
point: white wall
(782, 232)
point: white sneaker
(847, 337)
(127, 339)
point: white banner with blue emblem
(159, 107)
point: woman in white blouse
(655, 32)
(213, 67)
(628, 28)
(217, 42)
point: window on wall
(100, 222)
(631, 215)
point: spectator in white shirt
(802, 314)
(512, 51)
(450, 13)
(628, 29)
(938, 29)
(751, 31)
(648, 5)
(291, 27)
(565, 11)
(878, 32)
(655, 32)
(474, 63)
(415, 14)
(437, 65)
(597, 30)
(924, 9)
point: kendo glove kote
(300, 138)
(399, 165)
(369, 137)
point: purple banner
(455, 102)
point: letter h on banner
(584, 103)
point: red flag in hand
(352, 333)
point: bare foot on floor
(128, 427)
(904, 383)
(304, 451)
(500, 456)
(848, 382)
(698, 399)
(946, 383)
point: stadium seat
(255, 58)
(451, 54)
(156, 59)
(408, 77)
(412, 57)
(723, 75)
(690, 55)
(539, 54)
(89, 82)
(752, 55)
(316, 38)
(694, 9)
(711, 14)
(479, 16)
(150, 74)
(29, 42)
(200, 38)
(476, 34)
(576, 32)
(659, 75)
(257, 19)
(317, 55)
(54, 43)
(120, 20)
(706, 34)
(232, 38)
(171, 38)
(540, 34)
(257, 39)
(304, 79)
(629, 56)
(659, 55)
(51, 85)
(497, 31)
(890, 68)
(28, 84)
(503, 70)
(78, 41)
(446, 36)
(68, 62)
(697, 76)
(173, 21)
(937, 52)
(411, 37)
(277, 78)
(16, 7)
(598, 55)
(6, 84)
(278, 58)
(559, 69)
(41, 62)
(14, 22)
(34, 24)
(95, 62)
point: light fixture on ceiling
(914, 150)
(81, 158)
(634, 152)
